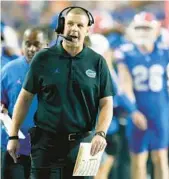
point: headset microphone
(66, 37)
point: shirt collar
(63, 52)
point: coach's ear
(88, 31)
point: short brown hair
(77, 10)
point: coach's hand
(139, 120)
(98, 144)
(12, 148)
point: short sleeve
(106, 84)
(31, 82)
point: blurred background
(111, 20)
(23, 13)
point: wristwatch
(101, 133)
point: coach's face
(33, 41)
(76, 26)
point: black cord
(57, 40)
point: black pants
(53, 156)
(11, 170)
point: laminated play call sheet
(86, 164)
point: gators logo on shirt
(91, 73)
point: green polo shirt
(68, 88)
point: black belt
(69, 136)
(78, 135)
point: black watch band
(101, 133)
(13, 137)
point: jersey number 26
(148, 78)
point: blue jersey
(12, 77)
(149, 74)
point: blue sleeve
(125, 103)
(4, 88)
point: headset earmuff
(61, 19)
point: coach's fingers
(12, 147)
(98, 144)
(13, 155)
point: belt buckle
(70, 135)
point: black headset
(61, 18)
